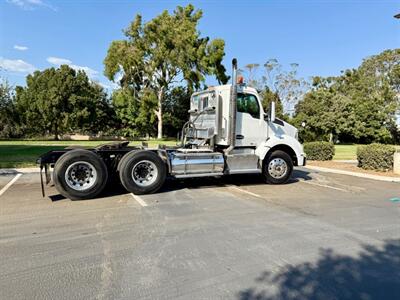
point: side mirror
(271, 111)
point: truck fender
(287, 144)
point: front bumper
(303, 160)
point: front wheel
(277, 167)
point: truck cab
(228, 132)
(256, 132)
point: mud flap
(47, 175)
(41, 180)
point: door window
(248, 103)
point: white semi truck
(228, 132)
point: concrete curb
(347, 161)
(356, 174)
(19, 171)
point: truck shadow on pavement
(373, 274)
(239, 180)
(114, 187)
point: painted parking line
(139, 200)
(325, 186)
(4, 189)
(234, 187)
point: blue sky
(324, 37)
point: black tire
(65, 165)
(152, 171)
(272, 174)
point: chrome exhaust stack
(232, 109)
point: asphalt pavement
(321, 236)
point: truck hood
(289, 130)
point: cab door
(250, 124)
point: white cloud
(57, 61)
(90, 72)
(17, 65)
(104, 85)
(108, 86)
(31, 4)
(20, 48)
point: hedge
(375, 157)
(319, 150)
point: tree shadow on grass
(374, 274)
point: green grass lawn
(345, 152)
(19, 154)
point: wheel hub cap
(144, 173)
(80, 176)
(277, 168)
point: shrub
(375, 157)
(319, 150)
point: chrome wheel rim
(277, 168)
(144, 173)
(80, 176)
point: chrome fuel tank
(192, 164)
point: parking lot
(322, 236)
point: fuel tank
(196, 163)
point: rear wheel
(278, 167)
(80, 174)
(142, 172)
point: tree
(177, 103)
(325, 112)
(60, 100)
(8, 117)
(287, 85)
(162, 53)
(135, 111)
(101, 117)
(251, 77)
(358, 106)
(284, 87)
(267, 96)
